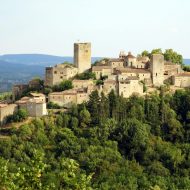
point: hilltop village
(125, 75)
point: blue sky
(52, 26)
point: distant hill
(20, 68)
(187, 61)
(38, 59)
(14, 73)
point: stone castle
(126, 75)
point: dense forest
(108, 143)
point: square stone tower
(157, 69)
(82, 56)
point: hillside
(108, 143)
(38, 59)
(13, 73)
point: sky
(52, 26)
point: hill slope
(38, 59)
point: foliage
(108, 143)
(86, 76)
(51, 105)
(169, 55)
(64, 85)
(18, 116)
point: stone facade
(157, 69)
(6, 110)
(18, 90)
(35, 104)
(130, 86)
(82, 83)
(181, 80)
(109, 85)
(82, 56)
(55, 75)
(116, 63)
(69, 97)
(102, 71)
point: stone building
(142, 74)
(130, 60)
(102, 71)
(82, 56)
(181, 80)
(82, 83)
(69, 97)
(129, 86)
(6, 110)
(35, 104)
(109, 85)
(157, 69)
(18, 90)
(55, 75)
(116, 63)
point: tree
(85, 118)
(156, 51)
(174, 57)
(145, 53)
(93, 106)
(64, 85)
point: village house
(35, 105)
(181, 80)
(69, 97)
(82, 83)
(102, 71)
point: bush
(51, 105)
(18, 116)
(65, 85)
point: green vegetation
(5, 96)
(65, 85)
(86, 76)
(18, 116)
(108, 143)
(51, 105)
(186, 68)
(169, 55)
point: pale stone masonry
(82, 56)
(157, 69)
(69, 97)
(55, 75)
(35, 104)
(5, 111)
(181, 80)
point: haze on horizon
(52, 26)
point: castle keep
(82, 63)
(82, 56)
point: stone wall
(82, 56)
(6, 110)
(157, 69)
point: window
(55, 72)
(156, 74)
(61, 77)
